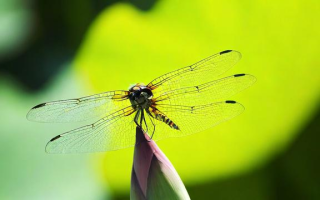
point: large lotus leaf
(279, 41)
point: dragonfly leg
(136, 117)
(154, 126)
(154, 129)
(143, 120)
(145, 123)
(141, 117)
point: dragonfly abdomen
(161, 117)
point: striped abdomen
(161, 117)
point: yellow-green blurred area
(52, 50)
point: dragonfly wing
(80, 109)
(115, 131)
(194, 119)
(201, 72)
(208, 92)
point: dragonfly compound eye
(147, 93)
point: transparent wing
(206, 93)
(115, 131)
(201, 72)
(80, 109)
(194, 119)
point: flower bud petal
(153, 176)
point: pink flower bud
(153, 176)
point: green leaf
(279, 45)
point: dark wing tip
(31, 112)
(226, 51)
(238, 75)
(49, 149)
(39, 106)
(230, 101)
(249, 76)
(55, 138)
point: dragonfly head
(140, 95)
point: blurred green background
(51, 50)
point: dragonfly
(179, 103)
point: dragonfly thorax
(140, 96)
